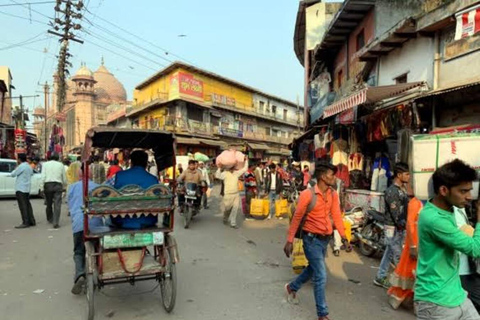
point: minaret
(84, 84)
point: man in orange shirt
(317, 231)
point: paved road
(223, 274)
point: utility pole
(46, 89)
(66, 13)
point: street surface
(223, 274)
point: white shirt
(205, 175)
(53, 171)
(273, 185)
(230, 180)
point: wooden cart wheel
(90, 297)
(168, 282)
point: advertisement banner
(347, 117)
(468, 23)
(190, 86)
(223, 100)
(20, 141)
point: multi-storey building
(209, 112)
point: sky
(250, 41)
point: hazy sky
(250, 41)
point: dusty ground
(223, 274)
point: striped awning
(369, 95)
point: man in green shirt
(438, 289)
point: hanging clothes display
(338, 152)
(355, 162)
(342, 174)
(381, 174)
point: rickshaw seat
(130, 200)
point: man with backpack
(317, 207)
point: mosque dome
(108, 89)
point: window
(274, 110)
(401, 79)
(285, 114)
(275, 133)
(267, 131)
(361, 39)
(7, 166)
(261, 107)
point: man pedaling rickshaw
(190, 175)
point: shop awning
(369, 95)
(189, 141)
(281, 151)
(258, 146)
(450, 89)
(214, 143)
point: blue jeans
(272, 196)
(392, 253)
(315, 250)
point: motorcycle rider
(190, 175)
(396, 204)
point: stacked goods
(200, 157)
(230, 159)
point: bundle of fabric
(230, 159)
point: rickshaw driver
(191, 175)
(136, 175)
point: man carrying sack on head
(312, 222)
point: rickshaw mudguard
(171, 244)
(90, 263)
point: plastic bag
(281, 208)
(201, 157)
(256, 208)
(299, 260)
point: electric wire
(26, 6)
(141, 38)
(23, 18)
(120, 55)
(26, 3)
(30, 41)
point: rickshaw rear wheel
(90, 294)
(168, 282)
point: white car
(7, 184)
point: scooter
(372, 234)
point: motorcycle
(192, 203)
(291, 192)
(372, 234)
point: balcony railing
(255, 111)
(158, 97)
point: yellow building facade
(208, 111)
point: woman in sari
(403, 278)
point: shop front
(364, 135)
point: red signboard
(347, 117)
(61, 116)
(190, 86)
(20, 141)
(468, 23)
